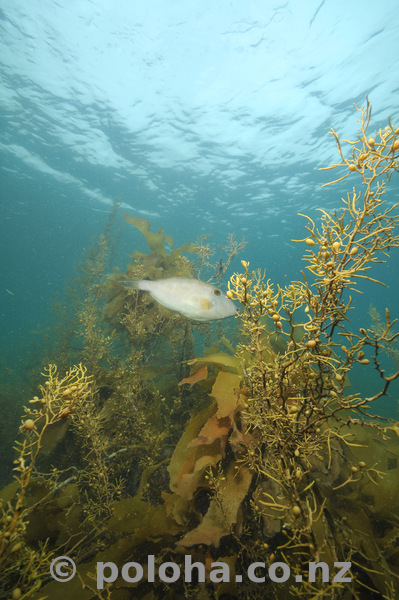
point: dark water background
(201, 117)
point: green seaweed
(156, 241)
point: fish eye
(217, 292)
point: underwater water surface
(205, 120)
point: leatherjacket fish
(193, 298)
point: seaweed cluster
(239, 447)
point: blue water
(208, 117)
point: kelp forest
(239, 445)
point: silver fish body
(193, 298)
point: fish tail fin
(131, 284)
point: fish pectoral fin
(205, 304)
